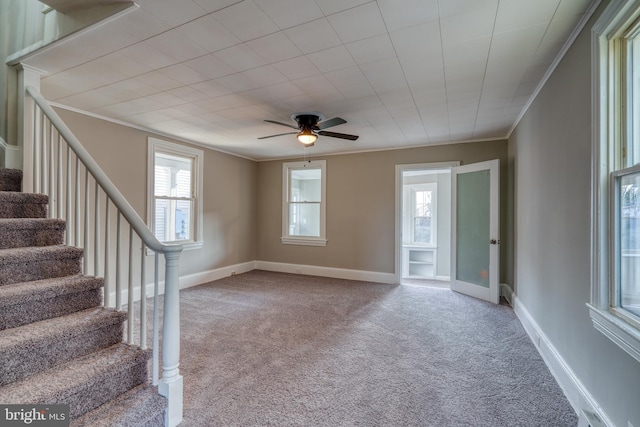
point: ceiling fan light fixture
(307, 137)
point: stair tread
(38, 253)
(22, 292)
(7, 224)
(81, 322)
(135, 407)
(19, 197)
(58, 383)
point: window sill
(617, 330)
(305, 241)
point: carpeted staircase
(58, 345)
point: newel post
(170, 385)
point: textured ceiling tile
(297, 68)
(330, 7)
(246, 20)
(175, 45)
(332, 59)
(399, 14)
(372, 49)
(274, 48)
(209, 34)
(172, 12)
(314, 36)
(210, 66)
(147, 55)
(240, 57)
(289, 13)
(358, 23)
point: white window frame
(304, 240)
(607, 135)
(433, 188)
(159, 146)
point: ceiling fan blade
(282, 124)
(280, 134)
(338, 135)
(331, 122)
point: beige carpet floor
(273, 349)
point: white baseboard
(196, 279)
(188, 281)
(13, 157)
(578, 396)
(216, 274)
(507, 292)
(338, 273)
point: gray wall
(229, 189)
(551, 153)
(361, 206)
(21, 25)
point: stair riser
(141, 406)
(36, 270)
(23, 210)
(33, 357)
(31, 237)
(10, 180)
(105, 389)
(35, 311)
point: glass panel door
(475, 240)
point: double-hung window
(423, 221)
(304, 203)
(174, 205)
(615, 296)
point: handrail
(45, 164)
(125, 208)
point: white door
(475, 240)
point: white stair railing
(114, 238)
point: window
(303, 203)
(174, 205)
(615, 296)
(420, 209)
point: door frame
(400, 168)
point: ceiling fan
(310, 125)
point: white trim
(196, 279)
(286, 238)
(506, 291)
(559, 57)
(191, 280)
(153, 145)
(12, 155)
(620, 332)
(618, 15)
(577, 394)
(337, 273)
(303, 241)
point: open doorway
(423, 224)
